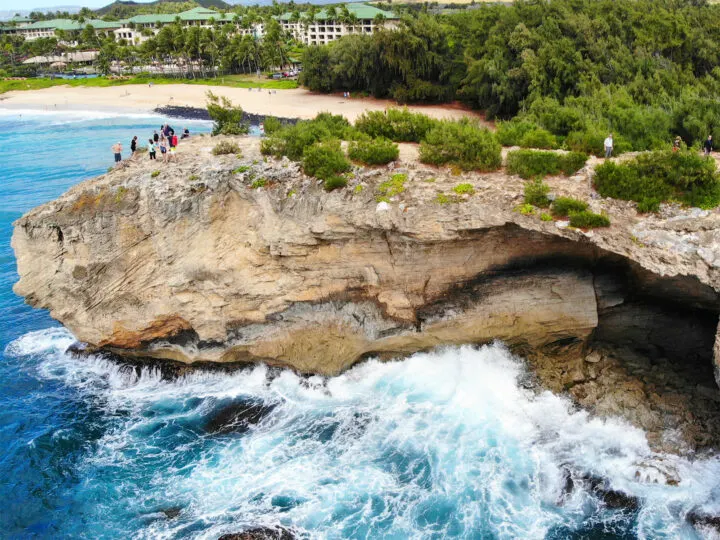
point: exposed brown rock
(195, 266)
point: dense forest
(569, 71)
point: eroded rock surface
(194, 264)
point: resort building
(326, 26)
(331, 24)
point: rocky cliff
(235, 259)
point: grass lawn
(235, 81)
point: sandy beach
(298, 103)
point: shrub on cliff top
(464, 143)
(326, 161)
(654, 177)
(536, 193)
(399, 125)
(291, 141)
(564, 206)
(227, 118)
(534, 163)
(588, 220)
(225, 147)
(373, 152)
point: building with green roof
(327, 25)
(330, 24)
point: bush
(536, 193)
(225, 147)
(291, 141)
(399, 125)
(271, 125)
(545, 217)
(227, 119)
(592, 141)
(373, 152)
(654, 177)
(532, 163)
(588, 220)
(539, 138)
(512, 132)
(572, 162)
(335, 182)
(564, 206)
(325, 160)
(464, 143)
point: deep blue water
(442, 445)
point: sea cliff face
(194, 264)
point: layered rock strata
(198, 263)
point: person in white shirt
(608, 146)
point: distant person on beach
(133, 145)
(608, 146)
(117, 151)
(186, 134)
(708, 145)
(156, 137)
(152, 149)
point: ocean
(445, 444)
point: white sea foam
(64, 116)
(443, 444)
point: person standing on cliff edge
(608, 146)
(117, 151)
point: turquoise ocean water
(443, 445)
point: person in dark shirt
(186, 134)
(156, 137)
(708, 145)
(133, 144)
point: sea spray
(443, 444)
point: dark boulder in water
(238, 416)
(612, 498)
(698, 518)
(261, 533)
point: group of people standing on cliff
(165, 142)
(708, 145)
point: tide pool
(446, 444)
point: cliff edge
(240, 259)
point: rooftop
(70, 24)
(361, 11)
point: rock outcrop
(197, 263)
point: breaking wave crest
(446, 444)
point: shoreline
(288, 104)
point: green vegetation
(225, 147)
(464, 189)
(373, 151)
(564, 206)
(291, 141)
(588, 220)
(193, 177)
(154, 174)
(545, 217)
(526, 209)
(534, 163)
(325, 160)
(536, 193)
(392, 187)
(464, 143)
(235, 81)
(441, 198)
(241, 169)
(260, 182)
(271, 125)
(645, 70)
(655, 177)
(227, 119)
(399, 125)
